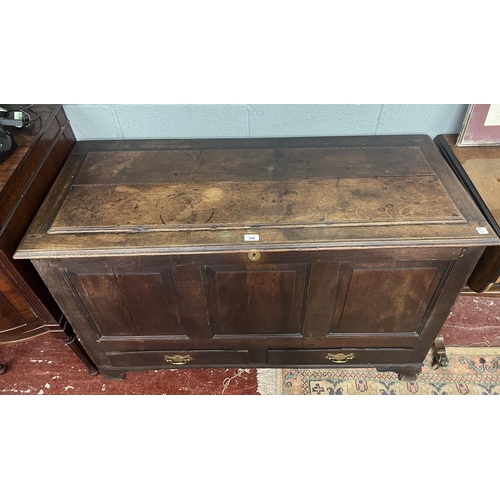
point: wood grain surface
(150, 197)
(191, 206)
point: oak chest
(316, 252)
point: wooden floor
(45, 365)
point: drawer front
(169, 359)
(337, 357)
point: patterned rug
(471, 371)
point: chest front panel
(305, 296)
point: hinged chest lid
(163, 196)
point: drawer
(166, 359)
(337, 357)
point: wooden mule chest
(303, 252)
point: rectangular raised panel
(385, 297)
(254, 300)
(129, 303)
(150, 308)
(222, 205)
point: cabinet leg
(3, 368)
(408, 373)
(407, 377)
(80, 352)
(439, 358)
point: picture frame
(481, 126)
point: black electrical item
(18, 116)
(7, 144)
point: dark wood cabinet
(27, 307)
(261, 252)
(478, 168)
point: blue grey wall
(144, 121)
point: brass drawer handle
(178, 359)
(339, 357)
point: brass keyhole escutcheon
(254, 256)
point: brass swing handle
(178, 359)
(339, 357)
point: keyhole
(254, 256)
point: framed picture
(481, 126)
